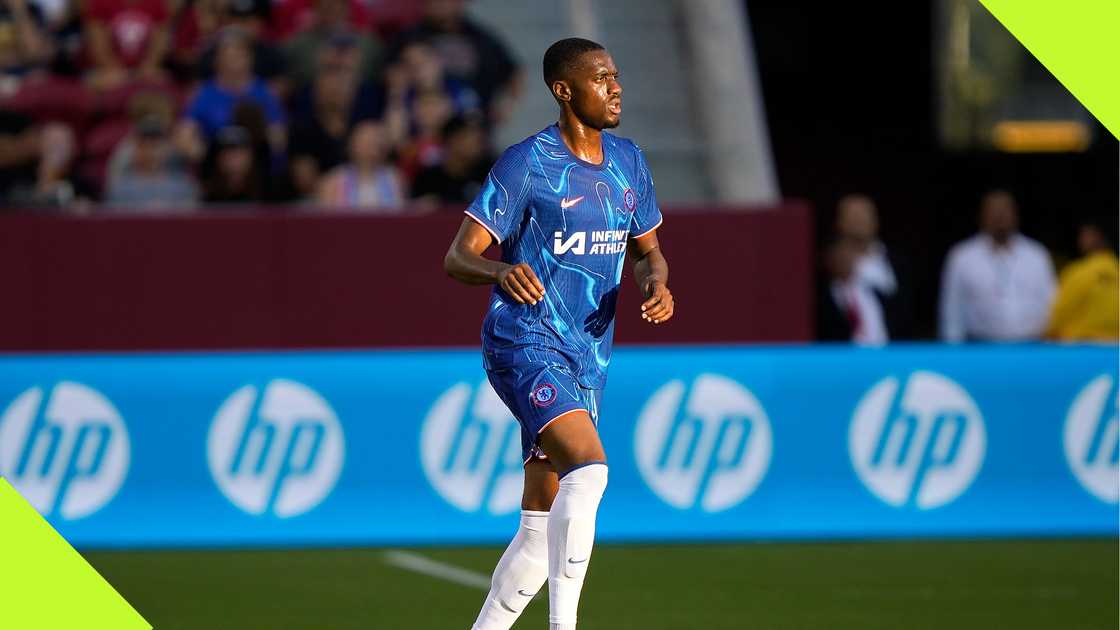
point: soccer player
(568, 206)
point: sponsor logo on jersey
(66, 449)
(707, 444)
(602, 242)
(544, 395)
(920, 443)
(470, 450)
(278, 451)
(1092, 438)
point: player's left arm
(651, 270)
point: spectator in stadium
(146, 170)
(248, 16)
(194, 29)
(469, 52)
(421, 100)
(272, 160)
(34, 161)
(857, 221)
(237, 176)
(367, 181)
(1087, 307)
(849, 308)
(422, 146)
(63, 23)
(324, 114)
(126, 40)
(997, 285)
(426, 74)
(54, 13)
(213, 106)
(331, 26)
(25, 46)
(459, 177)
(290, 17)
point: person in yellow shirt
(1087, 307)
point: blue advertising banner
(704, 443)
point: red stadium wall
(284, 280)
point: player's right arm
(464, 262)
(494, 216)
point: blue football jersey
(570, 221)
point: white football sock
(571, 534)
(519, 574)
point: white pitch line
(433, 568)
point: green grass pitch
(983, 585)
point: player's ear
(561, 91)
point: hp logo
(709, 444)
(67, 452)
(920, 446)
(470, 449)
(1092, 438)
(279, 451)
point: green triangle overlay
(1077, 41)
(45, 584)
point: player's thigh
(572, 440)
(541, 484)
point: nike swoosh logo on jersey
(522, 592)
(574, 561)
(566, 203)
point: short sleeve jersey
(570, 221)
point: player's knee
(540, 486)
(536, 503)
(537, 498)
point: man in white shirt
(997, 285)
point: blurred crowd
(998, 285)
(387, 106)
(165, 104)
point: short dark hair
(562, 56)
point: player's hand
(658, 307)
(520, 282)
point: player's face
(596, 92)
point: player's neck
(586, 143)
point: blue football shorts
(537, 394)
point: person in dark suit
(877, 266)
(849, 309)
